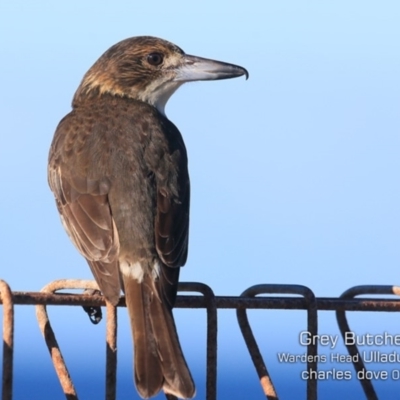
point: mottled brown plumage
(118, 170)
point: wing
(84, 208)
(172, 217)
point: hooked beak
(202, 69)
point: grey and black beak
(202, 69)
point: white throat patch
(157, 95)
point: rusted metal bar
(48, 333)
(111, 339)
(212, 329)
(255, 354)
(111, 353)
(251, 343)
(345, 328)
(207, 300)
(223, 302)
(8, 339)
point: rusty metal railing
(249, 299)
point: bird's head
(149, 69)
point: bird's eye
(155, 59)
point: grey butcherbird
(118, 170)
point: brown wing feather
(86, 216)
(172, 218)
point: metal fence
(91, 300)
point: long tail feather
(159, 361)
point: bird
(118, 171)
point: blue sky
(294, 172)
